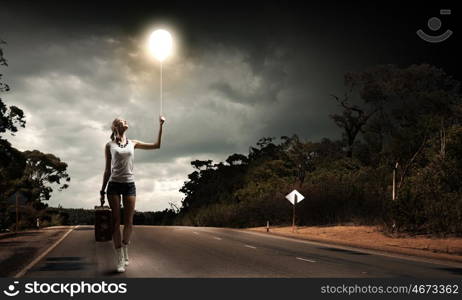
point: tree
(407, 106)
(352, 121)
(199, 164)
(237, 159)
(31, 172)
(43, 170)
(12, 165)
(302, 156)
(212, 183)
(12, 161)
(10, 117)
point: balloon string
(161, 88)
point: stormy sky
(240, 72)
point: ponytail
(115, 134)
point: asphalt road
(171, 251)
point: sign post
(294, 197)
(393, 196)
(293, 213)
(17, 199)
(17, 213)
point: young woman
(120, 180)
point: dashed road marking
(248, 246)
(305, 259)
(195, 232)
(217, 238)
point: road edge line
(36, 260)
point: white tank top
(122, 162)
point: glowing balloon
(160, 44)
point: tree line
(401, 122)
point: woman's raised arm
(151, 146)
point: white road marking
(195, 232)
(437, 261)
(217, 238)
(305, 259)
(35, 261)
(248, 246)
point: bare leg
(114, 202)
(129, 211)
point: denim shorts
(121, 188)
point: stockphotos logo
(11, 290)
(70, 289)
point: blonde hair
(115, 134)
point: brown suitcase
(103, 223)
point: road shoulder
(369, 237)
(18, 251)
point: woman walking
(120, 180)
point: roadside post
(16, 199)
(17, 213)
(294, 197)
(393, 195)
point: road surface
(178, 251)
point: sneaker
(125, 252)
(120, 262)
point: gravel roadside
(370, 237)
